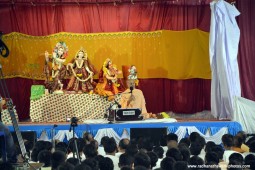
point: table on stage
(60, 107)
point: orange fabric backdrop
(158, 54)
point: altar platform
(210, 130)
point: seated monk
(134, 98)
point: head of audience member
(242, 135)
(98, 158)
(103, 139)
(250, 160)
(82, 167)
(106, 164)
(41, 145)
(90, 151)
(163, 140)
(172, 140)
(34, 154)
(57, 158)
(195, 148)
(235, 165)
(95, 143)
(212, 166)
(80, 145)
(196, 160)
(201, 141)
(92, 163)
(73, 161)
(88, 137)
(185, 154)
(142, 159)
(219, 151)
(44, 157)
(174, 153)
(61, 146)
(123, 144)
(181, 165)
(237, 142)
(185, 141)
(132, 149)
(110, 146)
(236, 156)
(227, 141)
(159, 151)
(154, 158)
(167, 163)
(126, 168)
(140, 168)
(65, 166)
(211, 157)
(145, 143)
(252, 146)
(209, 145)
(126, 160)
(193, 136)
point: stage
(210, 130)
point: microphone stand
(52, 139)
(111, 112)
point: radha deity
(109, 84)
(82, 73)
(58, 70)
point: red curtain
(181, 96)
(48, 19)
(246, 58)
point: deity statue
(58, 70)
(82, 73)
(109, 84)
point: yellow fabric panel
(158, 54)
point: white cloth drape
(181, 132)
(245, 114)
(223, 45)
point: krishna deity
(58, 70)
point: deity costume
(58, 70)
(82, 73)
(109, 84)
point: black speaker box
(155, 134)
(26, 135)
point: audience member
(126, 160)
(58, 157)
(167, 163)
(142, 159)
(122, 146)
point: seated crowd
(235, 152)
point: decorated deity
(109, 84)
(58, 69)
(133, 74)
(82, 73)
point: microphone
(119, 106)
(131, 89)
(109, 107)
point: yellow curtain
(158, 54)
